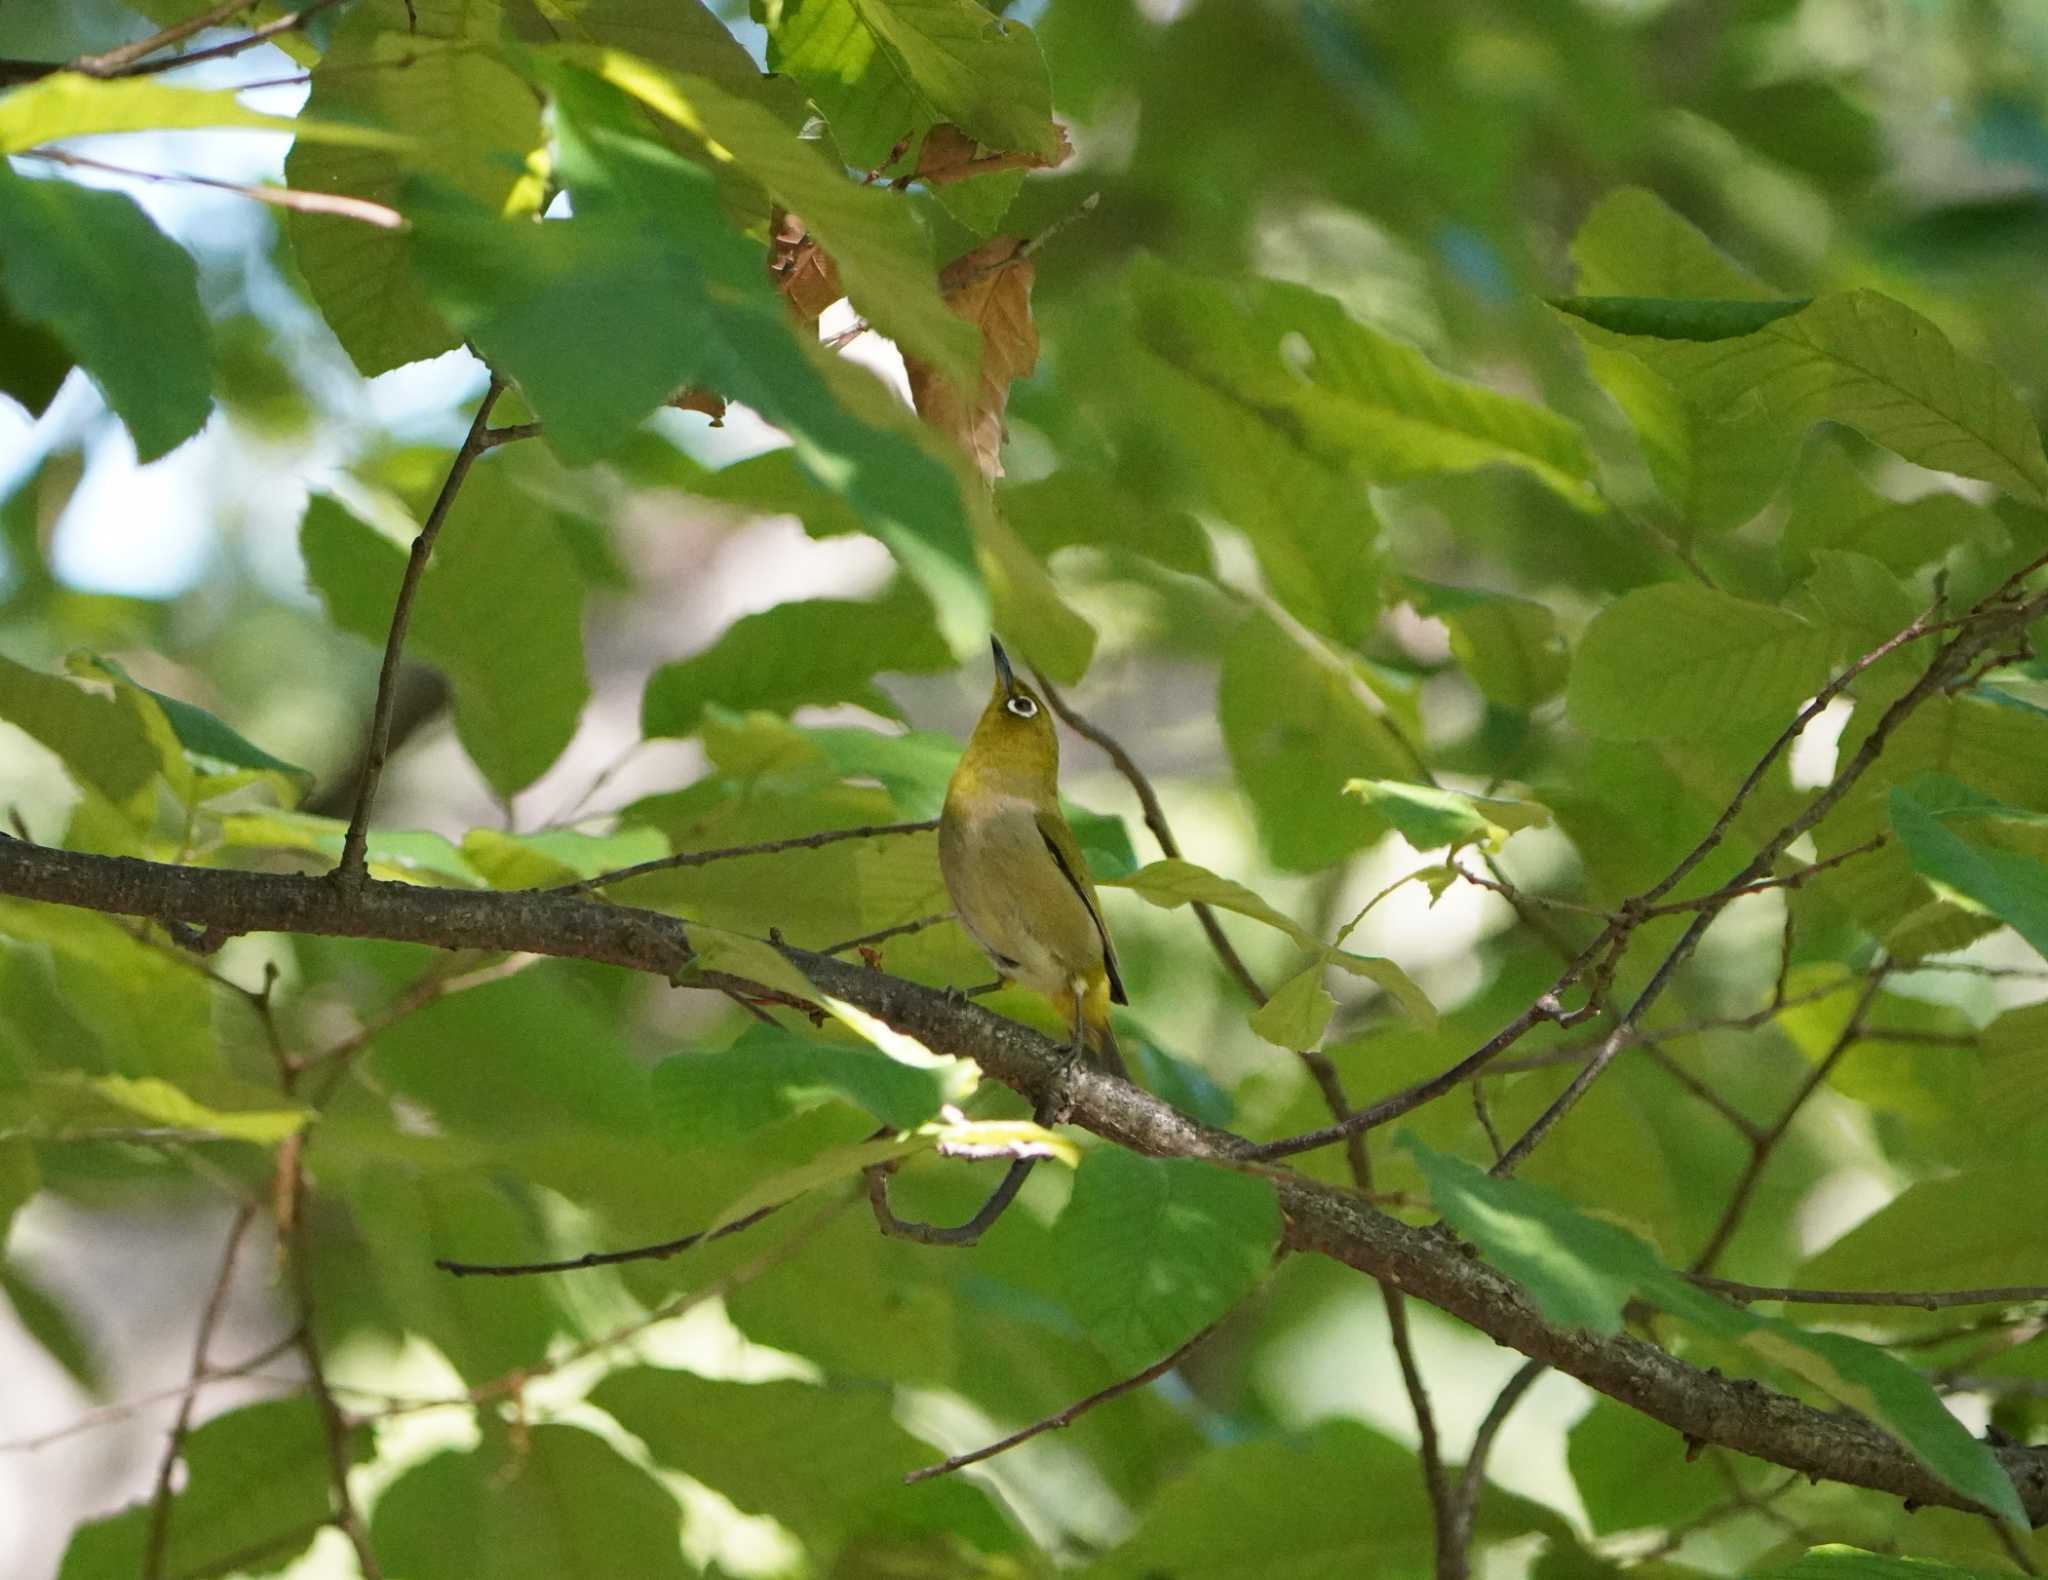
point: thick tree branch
(1332, 1222)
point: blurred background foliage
(683, 636)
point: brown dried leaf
(802, 270)
(694, 397)
(949, 154)
(990, 287)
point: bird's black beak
(1003, 671)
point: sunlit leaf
(1428, 817)
(69, 104)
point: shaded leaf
(735, 1438)
(560, 1504)
(471, 122)
(770, 1074)
(1930, 817)
(1298, 731)
(1298, 1011)
(867, 238)
(89, 266)
(1150, 1249)
(1679, 659)
(1668, 318)
(1583, 1272)
(808, 653)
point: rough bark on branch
(1426, 1263)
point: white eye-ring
(1023, 707)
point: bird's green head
(1014, 749)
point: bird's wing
(1066, 852)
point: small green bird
(1016, 875)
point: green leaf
(1678, 659)
(683, 35)
(769, 1074)
(33, 362)
(1666, 318)
(1078, 508)
(1633, 243)
(1862, 359)
(471, 122)
(1174, 882)
(213, 742)
(1349, 394)
(884, 69)
(70, 1106)
(1975, 1229)
(90, 266)
(1837, 1562)
(1298, 1012)
(814, 652)
(826, 1168)
(884, 259)
(1151, 1249)
(2012, 1077)
(559, 1504)
(254, 1477)
(395, 855)
(1298, 730)
(743, 955)
(2004, 883)
(1634, 1473)
(668, 294)
(68, 104)
(1717, 468)
(1582, 1272)
(514, 660)
(1336, 1500)
(555, 857)
(1832, 507)
(101, 742)
(1429, 818)
(1510, 647)
(43, 1317)
(735, 1438)
(1028, 608)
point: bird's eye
(1023, 707)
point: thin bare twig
(109, 1415)
(1917, 1299)
(1155, 820)
(1073, 1412)
(1766, 1145)
(290, 22)
(882, 934)
(514, 1382)
(1331, 1085)
(337, 204)
(156, 1543)
(352, 870)
(1785, 880)
(1464, 1499)
(114, 62)
(699, 858)
(637, 1253)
